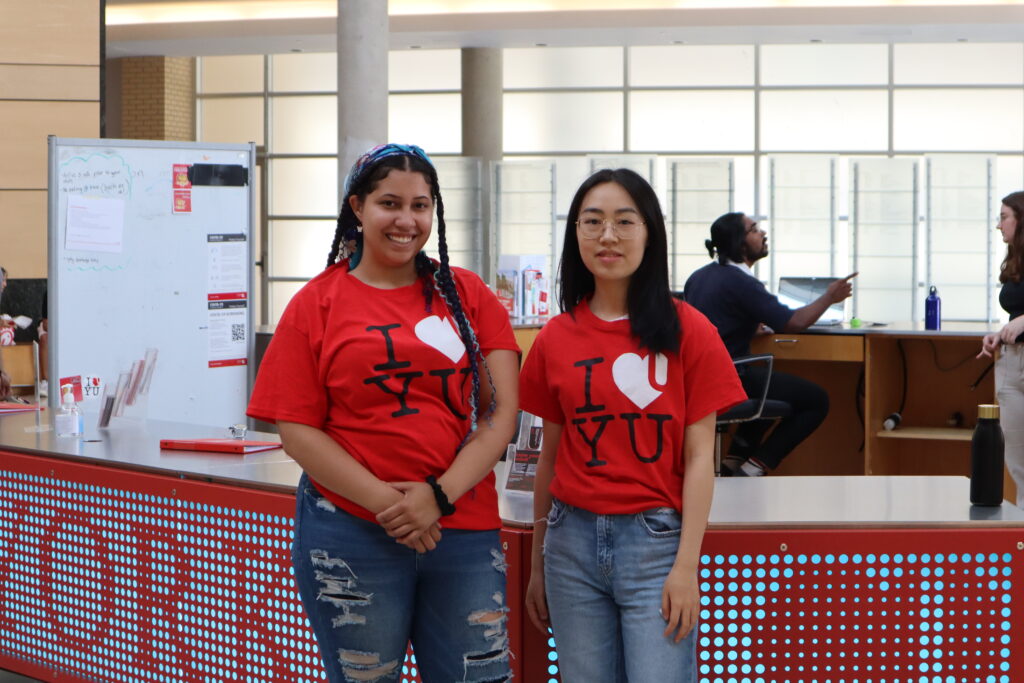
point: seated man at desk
(740, 306)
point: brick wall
(158, 98)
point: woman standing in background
(1010, 365)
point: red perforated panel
(120, 576)
(113, 575)
(928, 606)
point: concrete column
(362, 80)
(482, 132)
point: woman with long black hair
(628, 381)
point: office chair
(759, 407)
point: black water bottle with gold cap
(987, 458)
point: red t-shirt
(623, 409)
(385, 379)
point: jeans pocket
(660, 522)
(556, 515)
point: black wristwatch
(443, 504)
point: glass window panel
(691, 65)
(826, 120)
(523, 209)
(562, 67)
(570, 172)
(884, 207)
(801, 215)
(231, 74)
(691, 121)
(959, 220)
(955, 237)
(238, 119)
(820, 64)
(460, 180)
(881, 272)
(700, 192)
(963, 302)
(304, 72)
(885, 174)
(801, 264)
(959, 171)
(304, 125)
(884, 221)
(743, 185)
(424, 70)
(303, 187)
(280, 294)
(967, 120)
(958, 63)
(883, 305)
(641, 164)
(299, 248)
(1009, 175)
(563, 122)
(683, 265)
(434, 122)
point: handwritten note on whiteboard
(95, 224)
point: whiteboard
(140, 258)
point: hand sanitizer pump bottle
(69, 419)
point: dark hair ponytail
(727, 235)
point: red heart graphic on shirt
(438, 333)
(630, 373)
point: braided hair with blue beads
(368, 170)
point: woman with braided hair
(393, 380)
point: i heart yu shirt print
(439, 333)
(419, 364)
(633, 375)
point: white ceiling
(735, 25)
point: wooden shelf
(931, 433)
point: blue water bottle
(932, 310)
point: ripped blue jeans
(367, 596)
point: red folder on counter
(218, 445)
(18, 407)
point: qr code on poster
(237, 332)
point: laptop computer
(797, 292)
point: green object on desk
(855, 322)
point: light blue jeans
(603, 578)
(366, 597)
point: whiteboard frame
(56, 247)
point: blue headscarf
(374, 155)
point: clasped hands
(412, 519)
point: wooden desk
(21, 362)
(862, 370)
